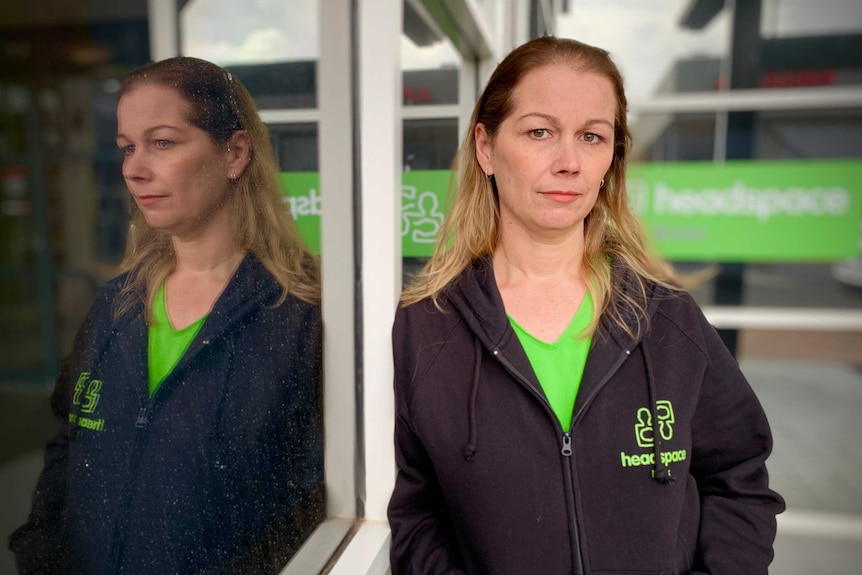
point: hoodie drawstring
(660, 472)
(470, 448)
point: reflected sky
(250, 32)
(267, 31)
(644, 37)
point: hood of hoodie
(476, 297)
(250, 288)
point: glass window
(429, 63)
(295, 146)
(794, 18)
(63, 207)
(430, 144)
(430, 78)
(809, 134)
(272, 46)
(647, 43)
(673, 138)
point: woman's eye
(539, 133)
(127, 150)
(592, 138)
(163, 144)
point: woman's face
(176, 173)
(550, 154)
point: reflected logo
(421, 217)
(86, 398)
(304, 205)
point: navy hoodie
(663, 471)
(220, 471)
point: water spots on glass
(228, 454)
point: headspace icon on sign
(421, 217)
(741, 199)
(638, 192)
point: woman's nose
(135, 167)
(568, 159)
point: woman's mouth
(147, 200)
(561, 196)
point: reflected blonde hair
(220, 105)
(612, 232)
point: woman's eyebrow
(554, 120)
(152, 129)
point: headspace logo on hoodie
(645, 436)
(85, 399)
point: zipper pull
(567, 445)
(141, 421)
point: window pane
(429, 63)
(430, 144)
(646, 39)
(809, 134)
(673, 137)
(64, 217)
(271, 45)
(295, 146)
(63, 208)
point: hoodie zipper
(565, 452)
(141, 429)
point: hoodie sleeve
(37, 544)
(731, 440)
(423, 537)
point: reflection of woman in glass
(561, 406)
(193, 434)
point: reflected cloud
(263, 31)
(643, 41)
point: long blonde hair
(262, 225)
(612, 231)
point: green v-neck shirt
(166, 345)
(559, 366)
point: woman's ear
(483, 149)
(239, 153)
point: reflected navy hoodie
(663, 470)
(220, 471)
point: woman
(561, 406)
(192, 440)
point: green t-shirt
(166, 345)
(559, 366)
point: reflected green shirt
(559, 366)
(166, 345)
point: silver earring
(489, 176)
(602, 185)
(232, 177)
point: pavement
(812, 401)
(816, 464)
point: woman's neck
(520, 257)
(215, 254)
(202, 272)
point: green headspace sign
(737, 211)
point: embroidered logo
(86, 398)
(645, 430)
